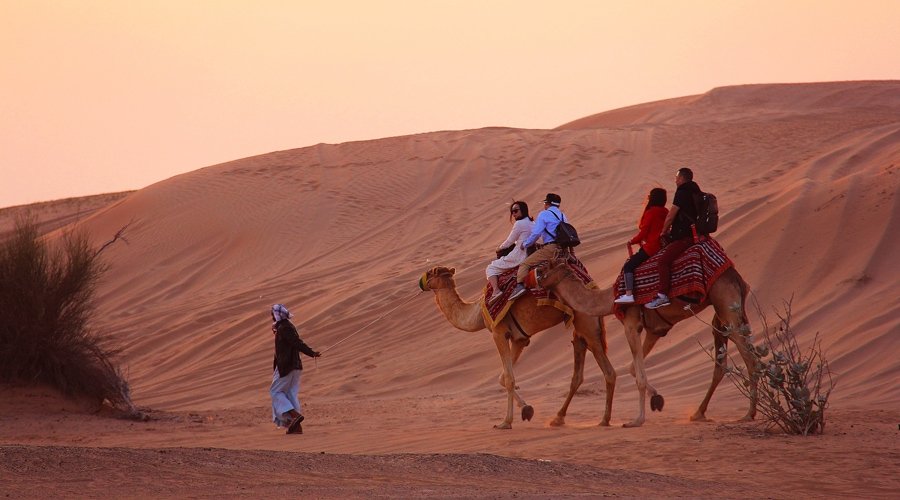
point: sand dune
(806, 176)
(52, 215)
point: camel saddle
(693, 272)
(495, 312)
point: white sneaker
(493, 298)
(660, 301)
(625, 299)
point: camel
(727, 295)
(511, 335)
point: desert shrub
(46, 308)
(794, 385)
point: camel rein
(367, 325)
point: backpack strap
(557, 227)
(696, 198)
(698, 202)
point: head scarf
(279, 312)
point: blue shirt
(545, 226)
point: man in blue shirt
(544, 228)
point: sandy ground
(402, 404)
(355, 448)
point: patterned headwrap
(279, 312)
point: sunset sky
(103, 96)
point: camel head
(552, 272)
(438, 277)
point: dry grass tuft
(793, 385)
(46, 308)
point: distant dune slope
(51, 215)
(806, 175)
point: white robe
(285, 394)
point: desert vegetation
(46, 310)
(794, 384)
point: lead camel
(511, 340)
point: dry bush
(46, 308)
(794, 385)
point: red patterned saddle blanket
(495, 311)
(693, 272)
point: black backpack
(707, 213)
(566, 235)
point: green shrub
(46, 308)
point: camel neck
(595, 302)
(462, 315)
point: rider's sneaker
(660, 301)
(625, 299)
(518, 292)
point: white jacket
(520, 231)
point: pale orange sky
(102, 96)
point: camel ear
(452, 271)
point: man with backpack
(545, 227)
(677, 230)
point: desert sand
(401, 404)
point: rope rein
(374, 321)
(461, 271)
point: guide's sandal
(295, 428)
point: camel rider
(677, 227)
(545, 229)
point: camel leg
(579, 348)
(518, 346)
(595, 340)
(516, 351)
(718, 371)
(647, 346)
(632, 322)
(508, 378)
(749, 362)
(609, 374)
(593, 331)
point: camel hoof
(604, 423)
(527, 412)
(699, 417)
(747, 418)
(636, 423)
(657, 402)
(504, 425)
(558, 422)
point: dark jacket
(288, 347)
(686, 198)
